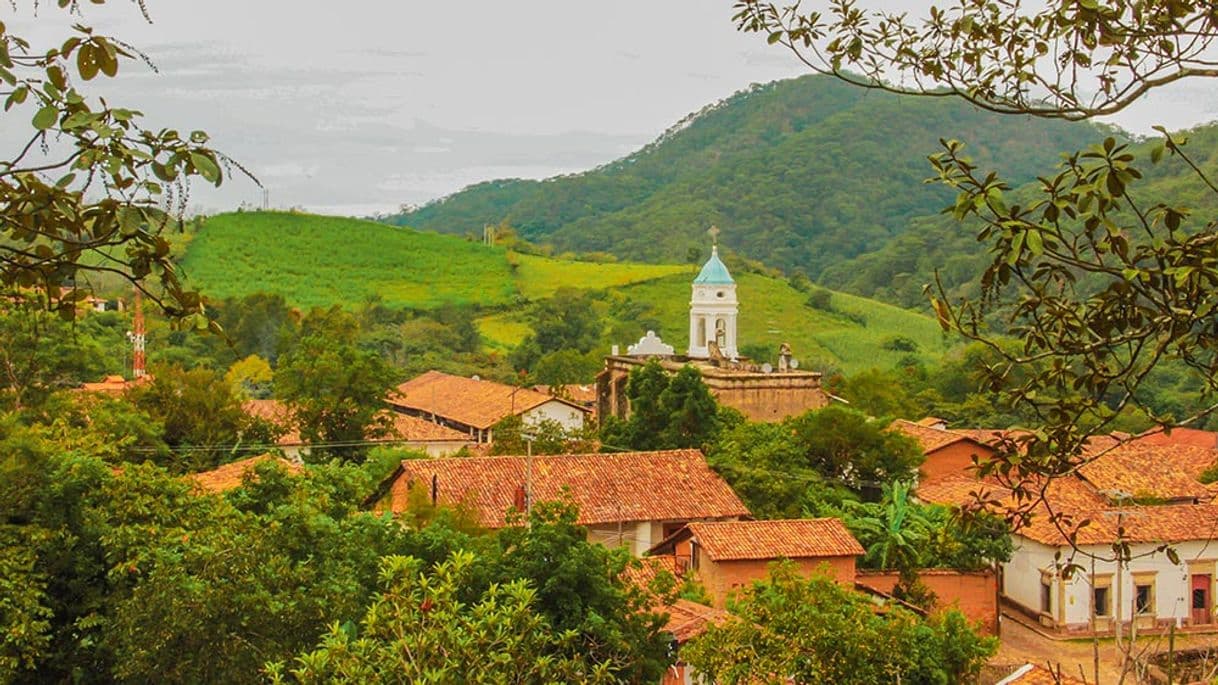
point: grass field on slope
(771, 312)
(540, 276)
(321, 261)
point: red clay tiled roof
(959, 489)
(404, 427)
(228, 476)
(1181, 436)
(687, 620)
(277, 414)
(929, 438)
(477, 403)
(1149, 524)
(650, 567)
(412, 428)
(1142, 469)
(777, 539)
(674, 485)
(113, 385)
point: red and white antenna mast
(137, 337)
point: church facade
(761, 391)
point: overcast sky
(360, 106)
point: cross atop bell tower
(713, 307)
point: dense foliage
(808, 462)
(813, 630)
(131, 574)
(667, 411)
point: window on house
(1143, 599)
(1046, 595)
(1100, 599)
(1144, 594)
(1101, 595)
(693, 554)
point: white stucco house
(1151, 588)
(1140, 494)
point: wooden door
(1201, 598)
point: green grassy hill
(322, 261)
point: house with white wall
(1152, 588)
(1142, 495)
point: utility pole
(1095, 635)
(1119, 550)
(528, 478)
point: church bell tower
(713, 309)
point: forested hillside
(801, 174)
(897, 272)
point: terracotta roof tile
(687, 620)
(775, 539)
(674, 485)
(1181, 436)
(477, 403)
(929, 438)
(959, 489)
(228, 476)
(1140, 469)
(414, 429)
(404, 427)
(113, 385)
(650, 567)
(1143, 469)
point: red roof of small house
(931, 439)
(642, 572)
(114, 385)
(675, 485)
(228, 476)
(469, 401)
(403, 426)
(775, 539)
(687, 620)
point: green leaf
(87, 62)
(206, 167)
(46, 117)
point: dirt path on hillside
(1021, 645)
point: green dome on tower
(714, 271)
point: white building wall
(1072, 597)
(568, 417)
(633, 536)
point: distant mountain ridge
(802, 174)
